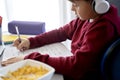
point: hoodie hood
(113, 17)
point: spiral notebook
(54, 50)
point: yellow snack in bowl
(26, 72)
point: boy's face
(83, 9)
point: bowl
(28, 62)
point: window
(54, 13)
(33, 10)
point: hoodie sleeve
(56, 35)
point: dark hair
(77, 0)
(73, 0)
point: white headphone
(100, 6)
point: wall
(116, 3)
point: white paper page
(57, 77)
(55, 50)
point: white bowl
(15, 66)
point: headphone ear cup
(93, 4)
(100, 6)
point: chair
(110, 65)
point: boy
(91, 33)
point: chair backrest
(110, 65)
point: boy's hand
(12, 60)
(23, 45)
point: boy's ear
(100, 6)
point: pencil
(18, 34)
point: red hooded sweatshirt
(88, 41)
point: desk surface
(59, 45)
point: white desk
(45, 49)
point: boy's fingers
(5, 63)
(8, 61)
(16, 43)
(23, 49)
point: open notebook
(55, 50)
